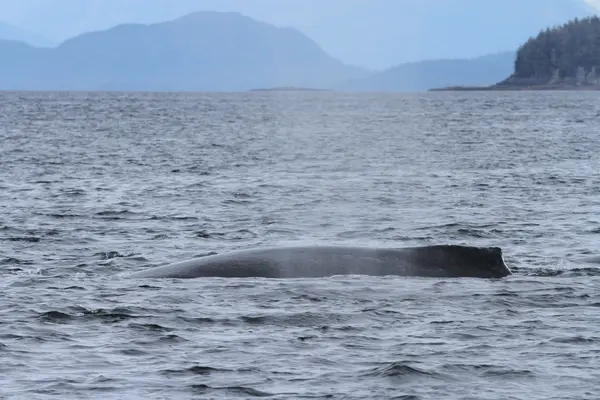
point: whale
(441, 261)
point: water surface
(95, 186)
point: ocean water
(96, 186)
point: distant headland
(566, 57)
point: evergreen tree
(566, 48)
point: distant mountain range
(214, 51)
(374, 34)
(425, 75)
(204, 51)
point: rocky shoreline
(582, 81)
(557, 87)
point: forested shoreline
(564, 55)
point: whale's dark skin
(447, 261)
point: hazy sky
(594, 3)
(61, 19)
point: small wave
(237, 202)
(113, 215)
(73, 288)
(195, 370)
(195, 185)
(172, 339)
(241, 234)
(105, 315)
(242, 195)
(506, 293)
(73, 192)
(574, 340)
(12, 336)
(268, 221)
(133, 352)
(173, 218)
(310, 298)
(108, 255)
(112, 212)
(30, 239)
(505, 373)
(198, 171)
(479, 233)
(111, 315)
(62, 215)
(56, 317)
(14, 261)
(299, 319)
(259, 320)
(467, 337)
(593, 260)
(134, 257)
(149, 287)
(35, 272)
(101, 384)
(397, 369)
(404, 238)
(443, 226)
(488, 370)
(203, 234)
(234, 390)
(551, 272)
(304, 338)
(151, 327)
(199, 320)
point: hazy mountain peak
(203, 51)
(203, 15)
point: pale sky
(594, 3)
(61, 19)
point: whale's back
(322, 261)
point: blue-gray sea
(94, 186)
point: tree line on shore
(566, 49)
